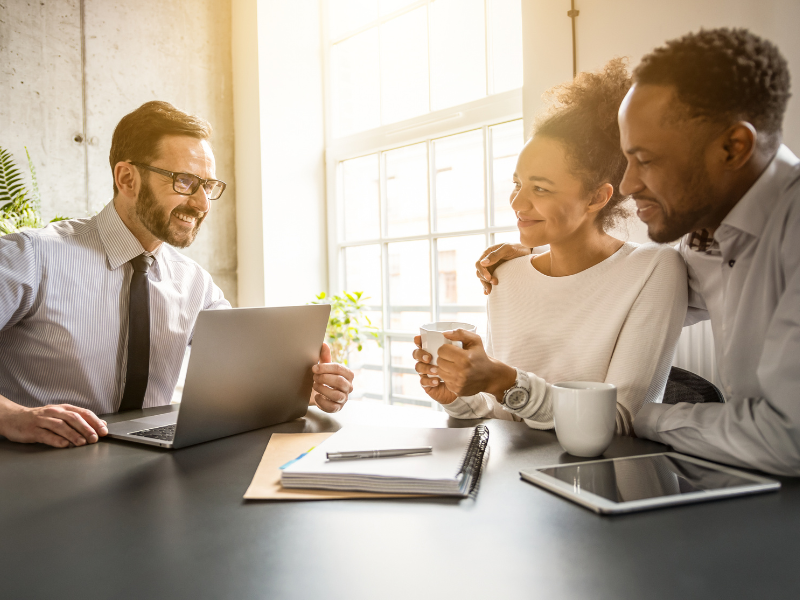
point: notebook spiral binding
(473, 461)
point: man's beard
(696, 203)
(157, 220)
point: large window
(424, 127)
(390, 60)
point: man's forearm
(746, 432)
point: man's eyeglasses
(187, 184)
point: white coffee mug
(432, 335)
(585, 416)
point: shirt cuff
(459, 408)
(646, 421)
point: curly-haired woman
(591, 308)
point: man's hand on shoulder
(58, 425)
(332, 382)
(492, 258)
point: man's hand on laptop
(332, 382)
(58, 425)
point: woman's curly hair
(583, 117)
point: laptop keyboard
(165, 433)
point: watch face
(516, 398)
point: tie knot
(142, 263)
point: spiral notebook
(453, 468)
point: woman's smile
(523, 222)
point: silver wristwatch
(518, 396)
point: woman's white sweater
(618, 322)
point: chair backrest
(685, 386)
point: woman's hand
(469, 370)
(433, 386)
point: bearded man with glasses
(96, 314)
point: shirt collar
(751, 212)
(118, 241)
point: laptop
(249, 368)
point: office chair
(685, 386)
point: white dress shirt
(748, 283)
(64, 295)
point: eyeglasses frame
(174, 175)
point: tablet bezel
(602, 505)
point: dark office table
(116, 520)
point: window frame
(482, 114)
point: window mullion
(383, 213)
(433, 259)
(488, 181)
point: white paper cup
(585, 416)
(432, 335)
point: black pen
(354, 454)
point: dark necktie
(138, 335)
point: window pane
(505, 42)
(361, 190)
(356, 84)
(363, 274)
(461, 295)
(409, 285)
(407, 190)
(459, 182)
(507, 237)
(458, 284)
(368, 368)
(368, 381)
(507, 142)
(404, 66)
(389, 6)
(404, 383)
(452, 313)
(458, 52)
(348, 15)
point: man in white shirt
(701, 128)
(96, 314)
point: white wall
(282, 251)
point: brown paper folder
(282, 448)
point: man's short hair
(138, 133)
(724, 75)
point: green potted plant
(19, 208)
(348, 326)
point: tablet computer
(633, 483)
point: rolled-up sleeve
(19, 278)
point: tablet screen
(642, 477)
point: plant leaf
(10, 178)
(36, 199)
